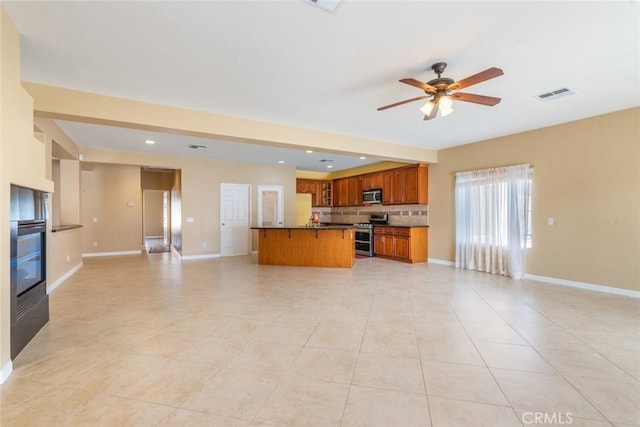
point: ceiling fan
(443, 90)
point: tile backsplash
(398, 214)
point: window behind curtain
(492, 219)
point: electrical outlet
(68, 258)
(95, 219)
(204, 245)
(550, 221)
(95, 244)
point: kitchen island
(322, 246)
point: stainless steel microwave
(372, 195)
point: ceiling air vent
(328, 5)
(555, 94)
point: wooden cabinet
(356, 184)
(401, 186)
(383, 245)
(407, 185)
(348, 191)
(321, 191)
(326, 193)
(387, 187)
(372, 180)
(407, 244)
(341, 192)
(305, 186)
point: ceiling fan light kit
(443, 91)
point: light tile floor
(147, 340)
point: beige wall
(199, 199)
(64, 253)
(586, 176)
(22, 162)
(64, 247)
(113, 196)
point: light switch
(129, 204)
(550, 221)
(95, 219)
(189, 219)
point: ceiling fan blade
(476, 99)
(487, 74)
(417, 83)
(434, 112)
(402, 102)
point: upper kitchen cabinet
(305, 185)
(400, 186)
(326, 193)
(356, 185)
(309, 186)
(321, 191)
(406, 185)
(372, 180)
(341, 192)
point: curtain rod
(494, 167)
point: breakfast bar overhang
(325, 246)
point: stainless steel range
(364, 234)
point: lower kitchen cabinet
(407, 244)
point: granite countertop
(402, 226)
(379, 225)
(64, 227)
(304, 227)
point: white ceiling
(291, 63)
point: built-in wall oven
(364, 234)
(28, 276)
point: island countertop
(305, 227)
(332, 246)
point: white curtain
(492, 219)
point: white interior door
(270, 206)
(234, 219)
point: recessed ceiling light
(280, 161)
(329, 166)
(150, 142)
(363, 158)
(309, 151)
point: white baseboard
(563, 282)
(6, 371)
(441, 262)
(154, 237)
(65, 276)
(204, 256)
(97, 254)
(583, 285)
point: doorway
(270, 206)
(234, 219)
(156, 221)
